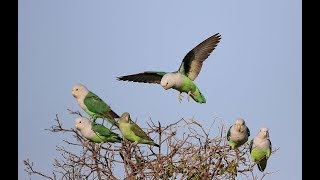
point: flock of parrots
(180, 80)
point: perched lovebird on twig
(93, 105)
(260, 148)
(132, 132)
(238, 134)
(95, 132)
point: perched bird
(182, 79)
(93, 105)
(132, 132)
(95, 132)
(238, 134)
(260, 149)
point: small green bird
(95, 132)
(181, 80)
(93, 105)
(260, 149)
(238, 134)
(133, 132)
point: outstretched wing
(192, 62)
(145, 77)
(139, 132)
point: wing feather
(139, 132)
(192, 63)
(145, 77)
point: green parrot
(238, 134)
(182, 79)
(260, 149)
(132, 132)
(93, 105)
(95, 132)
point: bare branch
(187, 151)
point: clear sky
(255, 72)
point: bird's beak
(238, 127)
(164, 87)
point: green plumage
(97, 108)
(95, 132)
(189, 85)
(132, 132)
(104, 134)
(261, 148)
(188, 71)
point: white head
(264, 133)
(167, 81)
(79, 91)
(82, 123)
(240, 125)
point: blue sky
(254, 73)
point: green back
(104, 134)
(139, 132)
(95, 104)
(101, 130)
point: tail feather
(198, 97)
(110, 116)
(150, 142)
(118, 138)
(155, 144)
(262, 164)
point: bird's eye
(77, 89)
(79, 121)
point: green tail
(115, 138)
(155, 144)
(198, 97)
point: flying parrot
(182, 79)
(260, 148)
(93, 105)
(133, 132)
(95, 132)
(238, 134)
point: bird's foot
(180, 97)
(237, 152)
(134, 144)
(189, 94)
(86, 143)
